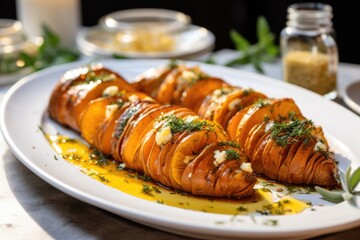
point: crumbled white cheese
(233, 104)
(110, 110)
(190, 119)
(217, 92)
(188, 159)
(269, 125)
(122, 165)
(320, 146)
(189, 175)
(163, 136)
(246, 167)
(188, 76)
(133, 98)
(220, 157)
(111, 91)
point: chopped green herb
(55, 158)
(220, 222)
(271, 222)
(102, 178)
(42, 130)
(229, 143)
(293, 189)
(71, 156)
(177, 124)
(160, 201)
(265, 189)
(157, 190)
(266, 118)
(285, 133)
(261, 103)
(263, 212)
(103, 76)
(246, 92)
(173, 64)
(144, 177)
(232, 154)
(101, 158)
(223, 91)
(242, 209)
(129, 113)
(146, 190)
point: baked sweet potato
(248, 115)
(77, 88)
(258, 113)
(193, 96)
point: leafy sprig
(177, 124)
(49, 53)
(348, 183)
(265, 50)
(285, 133)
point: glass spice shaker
(309, 51)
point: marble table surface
(30, 208)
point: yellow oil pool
(268, 200)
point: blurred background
(222, 16)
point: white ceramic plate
(24, 109)
(191, 43)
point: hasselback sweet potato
(77, 88)
(171, 144)
(248, 117)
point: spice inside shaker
(309, 51)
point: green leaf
(263, 29)
(273, 50)
(118, 56)
(331, 196)
(49, 53)
(50, 38)
(240, 42)
(345, 178)
(210, 60)
(239, 61)
(257, 64)
(354, 179)
(27, 58)
(265, 50)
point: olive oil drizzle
(114, 174)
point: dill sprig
(285, 133)
(101, 158)
(261, 103)
(229, 143)
(231, 154)
(102, 76)
(177, 124)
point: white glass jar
(309, 51)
